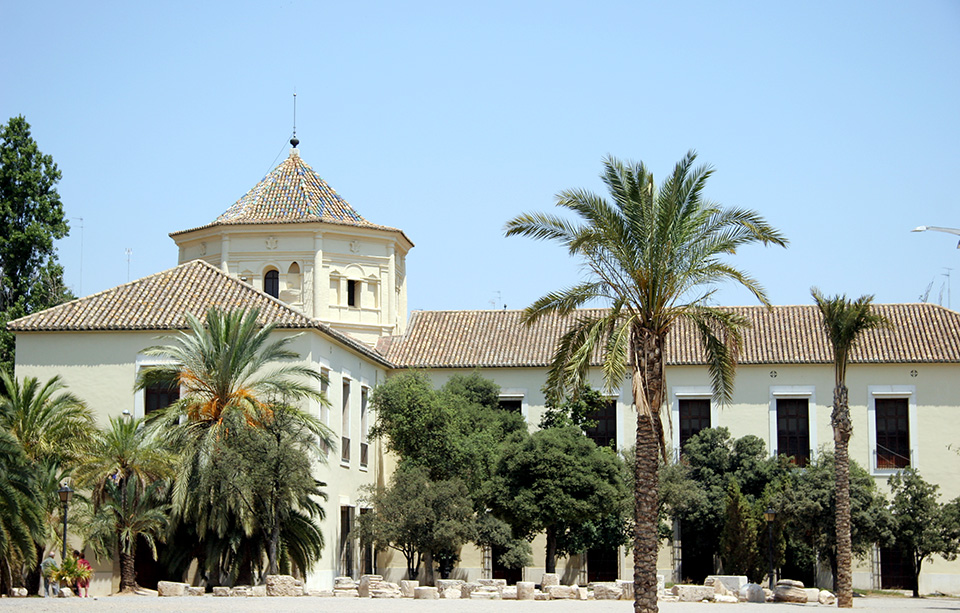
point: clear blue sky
(839, 122)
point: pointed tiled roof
(922, 333)
(293, 192)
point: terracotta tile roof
(158, 302)
(781, 335)
(293, 192)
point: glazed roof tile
(293, 192)
(922, 333)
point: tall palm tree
(654, 255)
(844, 322)
(227, 366)
(124, 466)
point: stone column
(319, 280)
(387, 301)
(225, 253)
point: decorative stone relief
(271, 242)
(203, 249)
(354, 246)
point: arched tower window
(271, 283)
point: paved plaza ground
(121, 604)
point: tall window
(893, 433)
(605, 430)
(346, 542)
(364, 447)
(159, 396)
(271, 283)
(694, 417)
(793, 429)
(353, 293)
(345, 423)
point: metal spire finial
(294, 141)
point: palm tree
(47, 421)
(124, 466)
(228, 368)
(654, 255)
(51, 427)
(844, 321)
(21, 510)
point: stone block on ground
(826, 598)
(197, 590)
(345, 587)
(549, 579)
(627, 587)
(486, 592)
(791, 583)
(508, 592)
(407, 587)
(240, 591)
(221, 590)
(751, 592)
(65, 592)
(727, 598)
(583, 593)
(385, 589)
(466, 589)
(538, 595)
(789, 593)
(694, 593)
(260, 591)
(364, 586)
(443, 584)
(720, 589)
(451, 593)
(284, 585)
(168, 589)
(813, 594)
(525, 590)
(317, 592)
(733, 583)
(562, 592)
(426, 592)
(19, 592)
(604, 590)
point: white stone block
(407, 587)
(694, 593)
(549, 579)
(426, 592)
(451, 593)
(751, 592)
(526, 590)
(606, 591)
(284, 585)
(562, 592)
(168, 589)
(826, 598)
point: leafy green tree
(655, 256)
(739, 546)
(263, 476)
(574, 411)
(31, 218)
(844, 322)
(21, 511)
(417, 516)
(553, 481)
(922, 526)
(695, 490)
(124, 468)
(806, 501)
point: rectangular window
(893, 433)
(158, 396)
(694, 417)
(793, 429)
(605, 431)
(513, 404)
(345, 424)
(364, 426)
(353, 293)
(324, 403)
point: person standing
(46, 569)
(83, 585)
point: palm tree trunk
(273, 569)
(841, 434)
(128, 574)
(648, 382)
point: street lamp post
(770, 515)
(65, 494)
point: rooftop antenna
(294, 141)
(129, 252)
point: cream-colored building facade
(314, 267)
